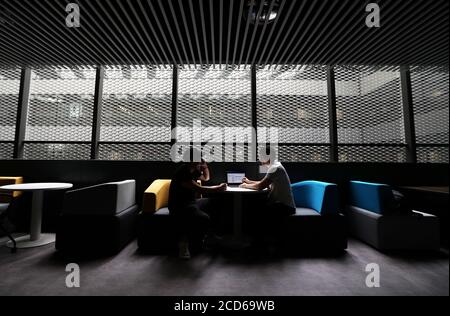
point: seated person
(192, 215)
(280, 203)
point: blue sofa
(373, 219)
(317, 224)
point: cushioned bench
(155, 228)
(373, 220)
(98, 219)
(317, 224)
(7, 196)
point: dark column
(408, 114)
(97, 117)
(173, 121)
(332, 117)
(254, 115)
(22, 112)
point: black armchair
(4, 209)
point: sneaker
(183, 251)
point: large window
(9, 98)
(430, 102)
(292, 110)
(369, 115)
(214, 107)
(59, 122)
(136, 114)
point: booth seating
(98, 219)
(317, 224)
(7, 196)
(374, 219)
(155, 228)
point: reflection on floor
(40, 271)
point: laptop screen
(235, 177)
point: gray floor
(40, 272)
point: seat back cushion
(5, 197)
(102, 199)
(156, 196)
(374, 197)
(126, 194)
(319, 196)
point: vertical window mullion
(331, 88)
(97, 114)
(22, 112)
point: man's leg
(211, 207)
(200, 224)
(277, 213)
(268, 223)
(191, 225)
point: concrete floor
(40, 271)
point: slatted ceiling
(221, 32)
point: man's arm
(193, 185)
(248, 181)
(257, 185)
(205, 173)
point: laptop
(234, 179)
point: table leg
(36, 215)
(237, 240)
(36, 238)
(237, 216)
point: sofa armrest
(156, 196)
(6, 197)
(104, 199)
(321, 196)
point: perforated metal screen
(292, 108)
(9, 97)
(370, 153)
(369, 114)
(6, 150)
(216, 102)
(152, 152)
(60, 110)
(302, 153)
(430, 91)
(214, 107)
(136, 107)
(56, 151)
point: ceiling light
(268, 12)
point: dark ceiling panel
(165, 32)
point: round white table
(238, 240)
(35, 238)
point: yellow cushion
(156, 196)
(5, 197)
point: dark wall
(82, 173)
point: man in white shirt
(280, 203)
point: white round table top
(37, 186)
(242, 190)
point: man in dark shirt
(190, 212)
